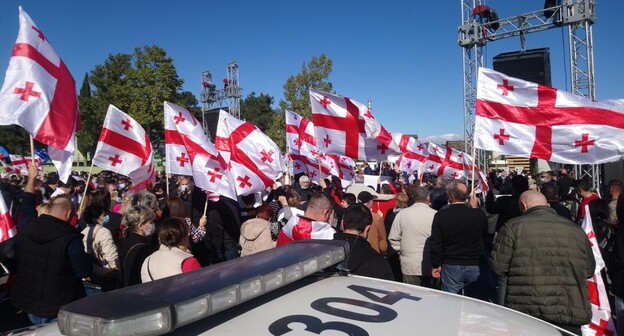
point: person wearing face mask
(99, 243)
(50, 263)
(135, 245)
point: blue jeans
(40, 319)
(456, 277)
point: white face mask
(152, 229)
(183, 187)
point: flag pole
(84, 193)
(474, 161)
(32, 149)
(318, 160)
(206, 205)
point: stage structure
(481, 25)
(214, 99)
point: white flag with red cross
(305, 155)
(39, 94)
(413, 152)
(346, 127)
(19, 163)
(254, 159)
(7, 226)
(516, 117)
(445, 161)
(190, 152)
(601, 323)
(125, 148)
(480, 181)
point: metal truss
(228, 97)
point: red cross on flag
(7, 226)
(480, 181)
(39, 94)
(20, 163)
(445, 161)
(601, 322)
(345, 127)
(125, 148)
(190, 152)
(304, 155)
(254, 159)
(516, 117)
(413, 152)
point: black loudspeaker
(531, 65)
(211, 119)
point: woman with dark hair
(99, 244)
(177, 209)
(173, 257)
(112, 220)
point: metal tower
(478, 29)
(213, 98)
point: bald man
(547, 260)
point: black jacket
(363, 259)
(47, 277)
(132, 252)
(457, 236)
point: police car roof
(281, 291)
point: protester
(377, 234)
(314, 224)
(173, 256)
(135, 245)
(256, 233)
(99, 244)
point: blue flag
(42, 153)
(3, 153)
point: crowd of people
(520, 245)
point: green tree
(137, 84)
(257, 110)
(313, 75)
(15, 139)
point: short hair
(357, 217)
(92, 213)
(420, 194)
(349, 198)
(304, 178)
(454, 191)
(320, 201)
(402, 200)
(146, 198)
(264, 211)
(135, 216)
(176, 207)
(615, 185)
(550, 192)
(584, 185)
(520, 184)
(61, 203)
(173, 232)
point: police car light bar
(161, 306)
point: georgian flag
(480, 180)
(413, 152)
(190, 152)
(517, 117)
(301, 228)
(20, 163)
(445, 161)
(39, 94)
(125, 148)
(7, 226)
(254, 159)
(305, 155)
(346, 127)
(601, 322)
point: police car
(286, 291)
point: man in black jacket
(51, 263)
(457, 234)
(362, 258)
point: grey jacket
(547, 259)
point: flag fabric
(125, 148)
(299, 228)
(254, 159)
(346, 127)
(480, 180)
(601, 322)
(516, 117)
(445, 161)
(190, 152)
(413, 152)
(39, 94)
(7, 226)
(305, 155)
(3, 153)
(42, 153)
(20, 164)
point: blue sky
(403, 55)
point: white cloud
(442, 139)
